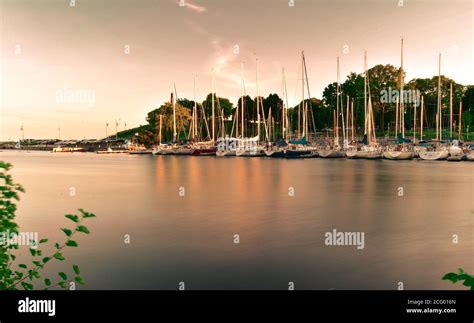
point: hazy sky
(120, 58)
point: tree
(15, 276)
(183, 120)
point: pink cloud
(194, 7)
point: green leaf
(46, 259)
(62, 275)
(37, 263)
(57, 246)
(83, 229)
(67, 232)
(469, 282)
(71, 243)
(43, 241)
(59, 256)
(72, 217)
(47, 282)
(452, 277)
(62, 284)
(33, 252)
(22, 266)
(79, 280)
(86, 214)
(26, 286)
(76, 269)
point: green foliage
(26, 274)
(460, 276)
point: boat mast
(285, 99)
(347, 119)
(174, 113)
(460, 119)
(242, 98)
(258, 100)
(337, 105)
(439, 99)
(283, 115)
(402, 106)
(194, 113)
(421, 117)
(213, 116)
(451, 110)
(365, 92)
(414, 122)
(302, 91)
(161, 124)
(352, 118)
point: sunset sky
(127, 54)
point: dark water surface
(190, 238)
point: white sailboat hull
(434, 155)
(331, 153)
(398, 155)
(225, 153)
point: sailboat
(402, 149)
(455, 149)
(207, 148)
(165, 149)
(369, 149)
(437, 149)
(278, 149)
(335, 150)
(248, 146)
(301, 148)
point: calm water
(191, 238)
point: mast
(194, 113)
(258, 100)
(396, 116)
(347, 119)
(242, 99)
(451, 110)
(421, 117)
(161, 124)
(365, 92)
(213, 116)
(285, 99)
(439, 99)
(174, 113)
(460, 119)
(352, 118)
(402, 106)
(337, 104)
(414, 122)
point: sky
(78, 65)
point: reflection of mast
(22, 133)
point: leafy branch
(460, 276)
(25, 274)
